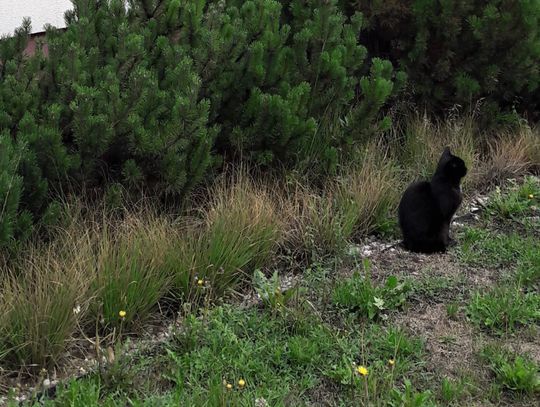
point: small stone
(482, 200)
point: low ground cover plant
(361, 294)
(517, 373)
(502, 310)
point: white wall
(40, 11)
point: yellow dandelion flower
(362, 370)
(200, 282)
(531, 196)
(391, 362)
(122, 314)
(228, 386)
(241, 382)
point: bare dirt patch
(450, 343)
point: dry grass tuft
(370, 192)
(511, 154)
(319, 224)
(39, 300)
(425, 140)
(240, 230)
(316, 226)
(96, 265)
(131, 272)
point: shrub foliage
(457, 52)
(153, 94)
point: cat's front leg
(449, 241)
(445, 233)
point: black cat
(426, 208)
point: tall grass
(316, 225)
(239, 231)
(370, 191)
(512, 153)
(362, 200)
(423, 141)
(100, 264)
(130, 271)
(42, 299)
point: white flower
(378, 302)
(261, 402)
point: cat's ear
(446, 152)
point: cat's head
(451, 166)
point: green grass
(454, 391)
(435, 288)
(362, 200)
(282, 358)
(516, 200)
(130, 273)
(240, 231)
(38, 300)
(452, 310)
(360, 295)
(516, 373)
(504, 309)
(513, 302)
(275, 357)
(528, 271)
(485, 248)
(488, 248)
(317, 226)
(368, 193)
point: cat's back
(416, 203)
(416, 193)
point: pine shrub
(32, 154)
(129, 98)
(153, 94)
(277, 71)
(458, 52)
